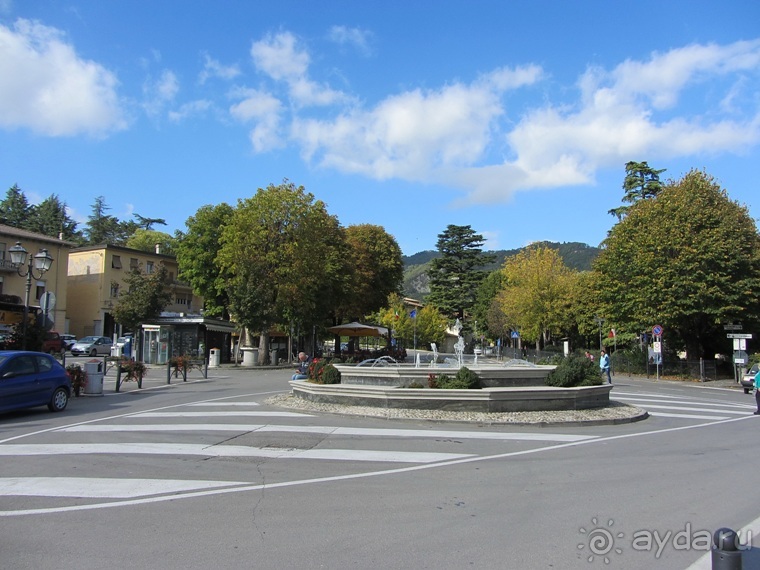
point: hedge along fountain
(514, 386)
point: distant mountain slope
(576, 255)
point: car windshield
(754, 369)
(88, 339)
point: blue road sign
(515, 334)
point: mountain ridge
(575, 255)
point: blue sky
(513, 117)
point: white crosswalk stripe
(679, 408)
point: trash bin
(116, 351)
(214, 357)
(94, 370)
(273, 357)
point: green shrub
(465, 379)
(330, 375)
(322, 372)
(575, 370)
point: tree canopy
(281, 252)
(688, 260)
(146, 295)
(533, 298)
(457, 274)
(641, 182)
(196, 251)
(376, 270)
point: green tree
(641, 182)
(534, 297)
(147, 240)
(487, 292)
(49, 217)
(15, 208)
(102, 228)
(197, 250)
(146, 295)
(688, 260)
(282, 253)
(146, 223)
(376, 267)
(457, 274)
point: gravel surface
(613, 414)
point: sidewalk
(161, 376)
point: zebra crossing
(207, 430)
(685, 408)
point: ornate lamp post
(40, 262)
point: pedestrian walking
(757, 392)
(604, 365)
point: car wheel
(93, 352)
(746, 390)
(59, 400)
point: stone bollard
(725, 551)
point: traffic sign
(732, 327)
(739, 335)
(657, 330)
(515, 334)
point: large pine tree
(457, 274)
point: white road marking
(687, 416)
(690, 409)
(102, 488)
(687, 402)
(354, 476)
(217, 404)
(225, 451)
(219, 414)
(331, 430)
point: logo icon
(601, 541)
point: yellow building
(15, 278)
(97, 276)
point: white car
(92, 346)
(748, 378)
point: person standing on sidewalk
(604, 365)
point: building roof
(25, 234)
(122, 249)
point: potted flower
(78, 377)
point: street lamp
(41, 262)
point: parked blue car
(29, 379)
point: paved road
(205, 473)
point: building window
(1, 285)
(116, 262)
(114, 289)
(149, 267)
(171, 277)
(133, 263)
(2, 250)
(40, 290)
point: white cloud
(214, 69)
(190, 109)
(159, 92)
(415, 133)
(264, 110)
(633, 111)
(691, 101)
(352, 36)
(281, 58)
(49, 89)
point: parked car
(53, 343)
(748, 378)
(92, 346)
(29, 379)
(68, 340)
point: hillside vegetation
(578, 256)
